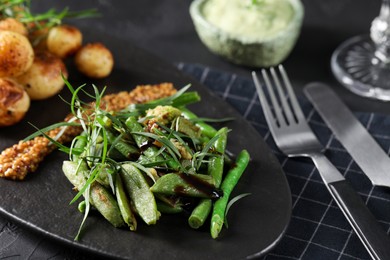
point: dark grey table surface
(164, 28)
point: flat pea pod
(106, 204)
(140, 194)
(124, 205)
(228, 184)
(191, 185)
(75, 172)
(134, 126)
(100, 198)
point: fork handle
(372, 235)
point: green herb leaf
(230, 204)
(49, 128)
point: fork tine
(275, 105)
(264, 103)
(283, 98)
(293, 98)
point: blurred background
(165, 28)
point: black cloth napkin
(318, 229)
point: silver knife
(366, 152)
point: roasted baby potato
(94, 60)
(64, 40)
(43, 79)
(13, 25)
(14, 102)
(16, 54)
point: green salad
(149, 160)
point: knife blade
(355, 138)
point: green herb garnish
(140, 151)
(21, 10)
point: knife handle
(372, 235)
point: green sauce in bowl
(248, 19)
(256, 33)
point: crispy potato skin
(16, 54)
(94, 60)
(64, 40)
(13, 25)
(43, 79)
(14, 102)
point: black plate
(41, 201)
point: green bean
(186, 99)
(124, 204)
(171, 163)
(228, 184)
(206, 129)
(140, 194)
(215, 169)
(200, 213)
(191, 185)
(133, 126)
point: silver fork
(294, 138)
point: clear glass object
(362, 63)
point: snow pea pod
(100, 198)
(76, 172)
(191, 185)
(133, 126)
(106, 204)
(140, 195)
(124, 205)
